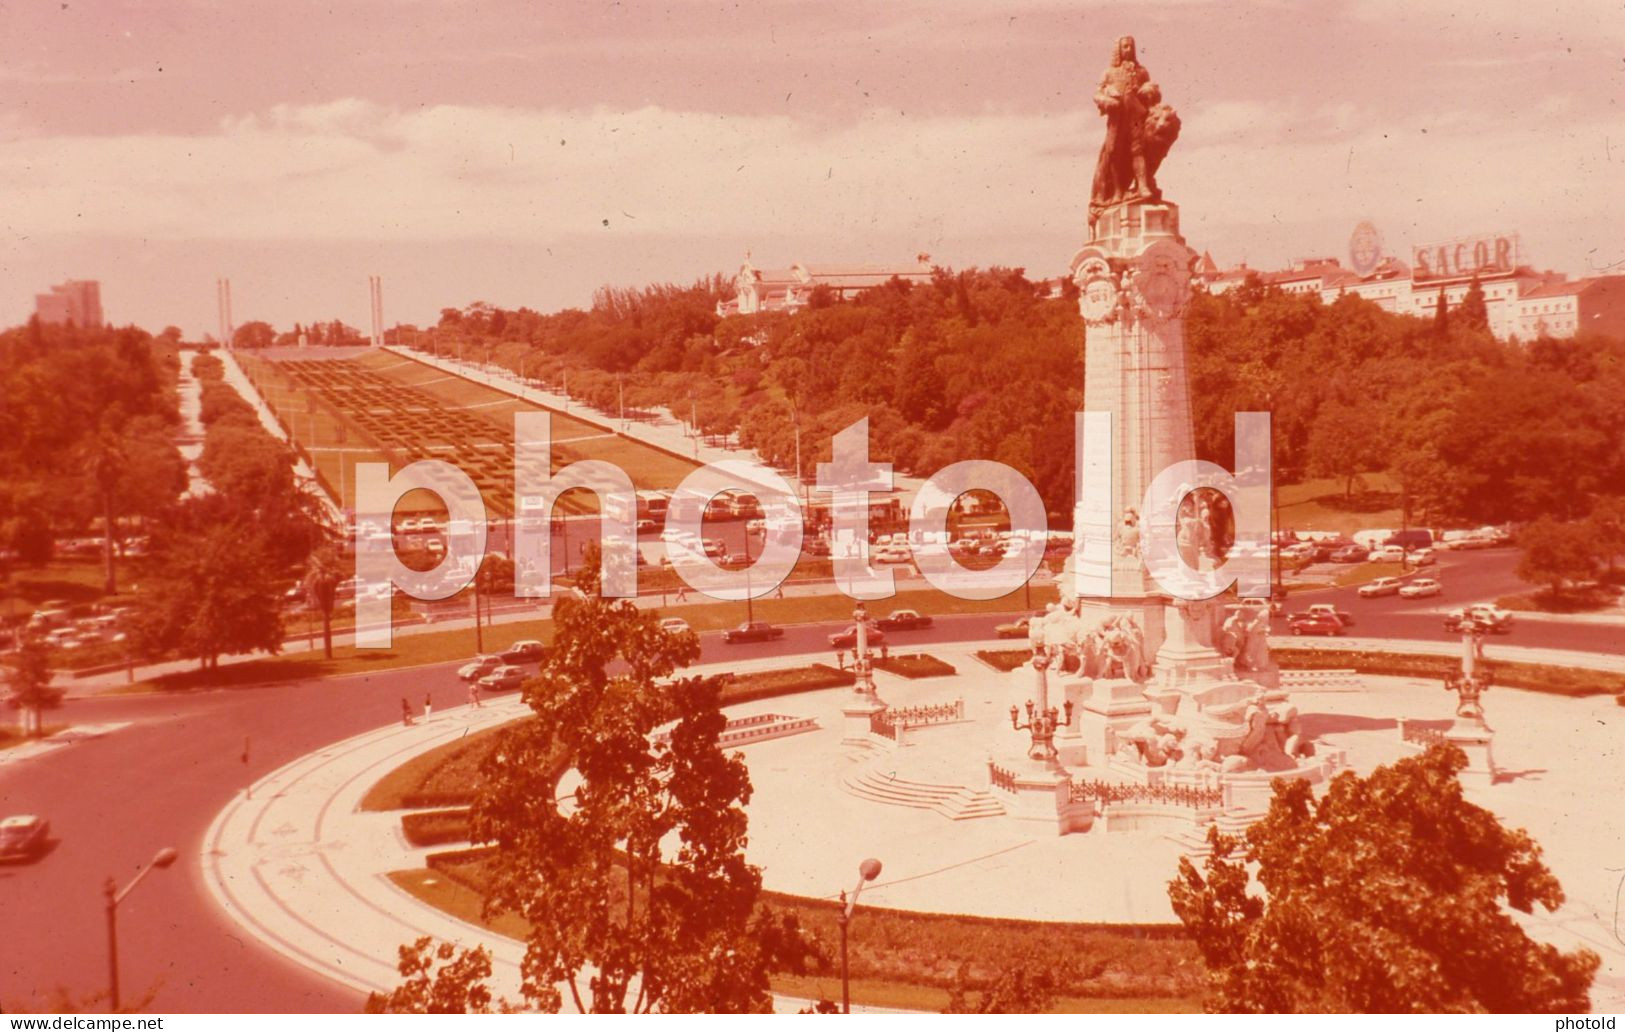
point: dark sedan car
(23, 837)
(903, 620)
(528, 651)
(1328, 626)
(748, 632)
(1351, 554)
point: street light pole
(868, 871)
(115, 896)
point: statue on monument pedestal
(1139, 130)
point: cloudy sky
(526, 153)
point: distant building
(76, 301)
(1519, 302)
(786, 290)
(1595, 305)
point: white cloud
(352, 170)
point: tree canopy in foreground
(1388, 894)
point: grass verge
(908, 960)
(1533, 677)
(914, 666)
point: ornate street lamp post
(1042, 718)
(864, 681)
(1468, 684)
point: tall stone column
(1134, 285)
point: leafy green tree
(622, 922)
(255, 334)
(1345, 443)
(320, 586)
(439, 979)
(1388, 894)
(1556, 554)
(1025, 985)
(1474, 312)
(1606, 525)
(28, 683)
(211, 586)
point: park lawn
(78, 580)
(450, 769)
(885, 974)
(1320, 505)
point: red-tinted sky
(524, 154)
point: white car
(1421, 588)
(1381, 586)
(1388, 554)
(674, 625)
(1423, 557)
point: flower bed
(436, 827)
(914, 665)
(1005, 659)
(1533, 677)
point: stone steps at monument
(1234, 822)
(956, 802)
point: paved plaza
(301, 868)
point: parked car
(481, 665)
(1301, 550)
(1388, 554)
(1411, 540)
(848, 638)
(1422, 557)
(527, 651)
(754, 631)
(23, 837)
(675, 625)
(714, 548)
(1312, 623)
(1380, 587)
(903, 620)
(1271, 605)
(735, 560)
(648, 527)
(504, 678)
(1498, 620)
(1423, 587)
(1351, 554)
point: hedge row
(436, 827)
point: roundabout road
(160, 779)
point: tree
(321, 590)
(210, 587)
(621, 922)
(28, 684)
(1385, 895)
(1556, 554)
(1441, 315)
(455, 986)
(1474, 313)
(1345, 443)
(1606, 524)
(1021, 986)
(254, 334)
